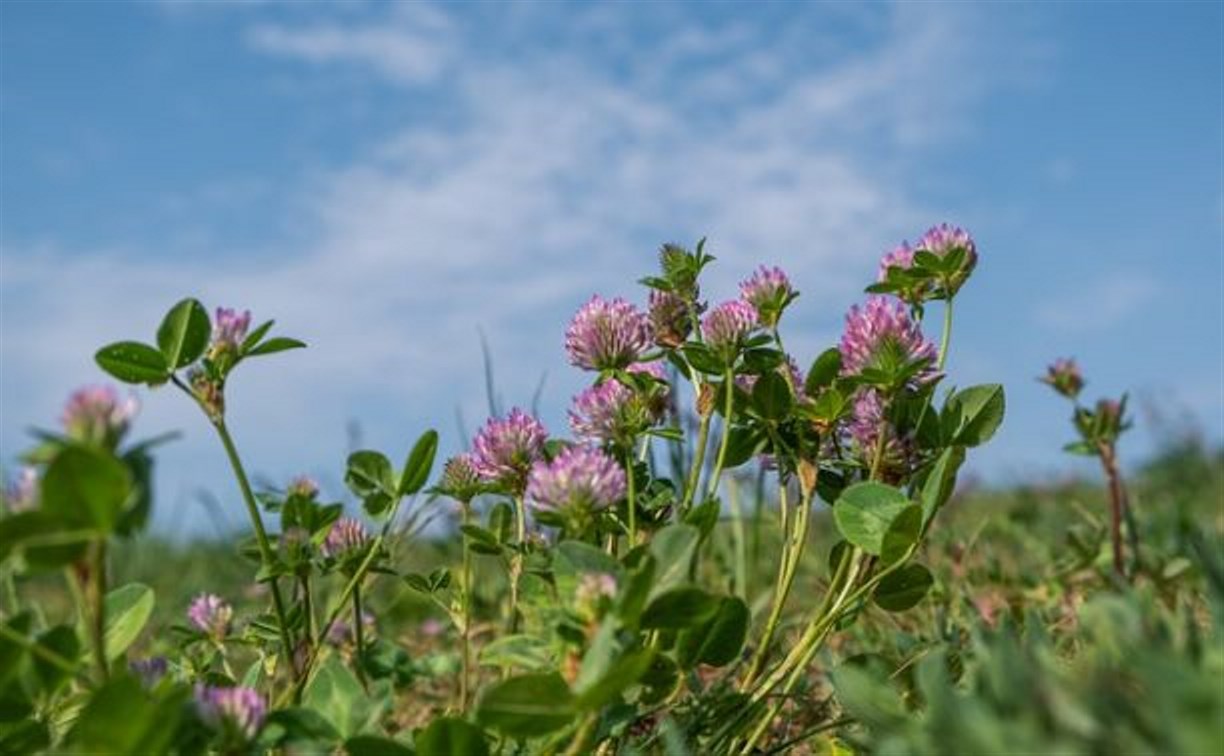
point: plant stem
(716, 473)
(261, 535)
(308, 610)
(466, 612)
(358, 636)
(694, 476)
(631, 498)
(46, 654)
(740, 540)
(516, 561)
(1117, 503)
(946, 337)
(97, 592)
(581, 742)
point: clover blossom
(150, 671)
(97, 415)
(769, 291)
(303, 486)
(238, 710)
(881, 335)
(211, 614)
(593, 594)
(460, 480)
(901, 257)
(604, 413)
(725, 327)
(346, 537)
(606, 335)
(579, 479)
(1064, 376)
(942, 239)
(671, 318)
(864, 427)
(229, 329)
(21, 493)
(505, 449)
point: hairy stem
(631, 499)
(466, 613)
(358, 636)
(97, 594)
(516, 560)
(716, 473)
(694, 476)
(1117, 503)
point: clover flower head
(21, 493)
(211, 614)
(303, 486)
(150, 671)
(942, 239)
(768, 290)
(607, 334)
(880, 327)
(579, 478)
(230, 328)
(97, 415)
(603, 413)
(657, 398)
(866, 423)
(347, 536)
(901, 257)
(670, 318)
(726, 326)
(594, 593)
(238, 710)
(459, 478)
(505, 448)
(1064, 376)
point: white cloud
(556, 179)
(1098, 305)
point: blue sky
(388, 179)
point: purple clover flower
(726, 326)
(864, 426)
(150, 671)
(97, 415)
(460, 479)
(303, 486)
(879, 327)
(238, 710)
(603, 413)
(670, 318)
(607, 335)
(901, 257)
(21, 494)
(768, 290)
(580, 478)
(942, 239)
(211, 614)
(230, 328)
(346, 537)
(505, 449)
(1064, 376)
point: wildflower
(727, 325)
(657, 396)
(346, 537)
(769, 291)
(865, 426)
(901, 257)
(881, 335)
(460, 479)
(942, 239)
(505, 449)
(97, 415)
(304, 487)
(236, 711)
(606, 335)
(747, 381)
(1064, 377)
(211, 614)
(670, 318)
(580, 479)
(150, 670)
(21, 494)
(230, 329)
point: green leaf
(868, 698)
(369, 472)
(336, 694)
(672, 547)
(679, 608)
(637, 589)
(865, 511)
(121, 717)
(825, 368)
(184, 333)
(256, 335)
(419, 463)
(372, 745)
(133, 362)
(904, 588)
(447, 736)
(274, 345)
(522, 651)
(128, 609)
(626, 671)
(86, 488)
(301, 724)
(771, 396)
(527, 706)
(719, 640)
(63, 641)
(902, 534)
(971, 417)
(702, 359)
(940, 482)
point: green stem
(946, 337)
(694, 476)
(740, 541)
(10, 594)
(97, 577)
(516, 560)
(631, 499)
(308, 610)
(261, 536)
(729, 390)
(466, 610)
(41, 651)
(581, 742)
(358, 636)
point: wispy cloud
(548, 176)
(1098, 305)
